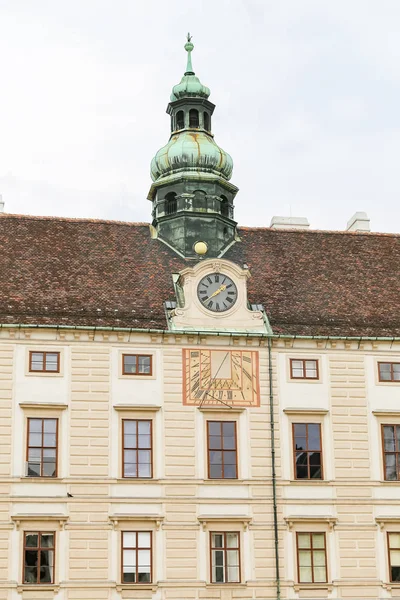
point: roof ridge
(70, 219)
(319, 231)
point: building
(192, 410)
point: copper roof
(107, 273)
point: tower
(191, 193)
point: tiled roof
(107, 273)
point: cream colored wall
(184, 505)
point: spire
(189, 47)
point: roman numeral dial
(217, 292)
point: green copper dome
(191, 150)
(190, 85)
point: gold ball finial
(200, 248)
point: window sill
(313, 586)
(137, 586)
(35, 587)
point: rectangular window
(222, 450)
(303, 369)
(44, 362)
(137, 449)
(311, 557)
(394, 556)
(307, 450)
(39, 557)
(391, 451)
(137, 364)
(42, 447)
(225, 557)
(389, 371)
(136, 557)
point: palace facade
(192, 410)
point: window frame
(137, 449)
(396, 452)
(137, 374)
(44, 370)
(222, 451)
(34, 418)
(303, 361)
(388, 533)
(136, 531)
(311, 533)
(307, 452)
(225, 548)
(385, 362)
(39, 548)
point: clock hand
(218, 291)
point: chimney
(1, 204)
(358, 222)
(289, 223)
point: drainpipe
(272, 424)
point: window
(303, 369)
(311, 557)
(222, 451)
(206, 120)
(225, 557)
(44, 362)
(39, 557)
(137, 449)
(137, 364)
(180, 119)
(42, 447)
(193, 118)
(307, 450)
(171, 204)
(394, 556)
(389, 371)
(224, 206)
(136, 557)
(391, 451)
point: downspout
(272, 424)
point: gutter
(275, 509)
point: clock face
(221, 377)
(217, 292)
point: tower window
(170, 203)
(224, 206)
(206, 119)
(180, 119)
(193, 118)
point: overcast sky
(307, 96)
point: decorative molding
(328, 587)
(316, 519)
(386, 412)
(223, 407)
(306, 411)
(137, 407)
(43, 587)
(151, 587)
(204, 520)
(60, 519)
(43, 405)
(383, 521)
(116, 519)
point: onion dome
(190, 86)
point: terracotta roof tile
(108, 273)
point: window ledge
(241, 519)
(313, 586)
(229, 410)
(137, 407)
(44, 405)
(306, 411)
(35, 587)
(386, 412)
(116, 519)
(315, 519)
(136, 586)
(60, 519)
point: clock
(217, 292)
(221, 377)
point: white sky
(307, 95)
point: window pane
(144, 557)
(144, 441)
(37, 361)
(215, 471)
(218, 558)
(305, 558)
(130, 441)
(35, 454)
(144, 538)
(390, 464)
(144, 470)
(30, 575)
(214, 428)
(129, 558)
(396, 371)
(233, 574)
(228, 429)
(314, 437)
(319, 558)
(303, 540)
(144, 427)
(47, 540)
(297, 368)
(394, 540)
(35, 425)
(300, 430)
(34, 469)
(319, 574)
(395, 574)
(144, 456)
(50, 440)
(215, 457)
(130, 427)
(389, 441)
(144, 364)
(311, 368)
(395, 558)
(218, 574)
(232, 541)
(230, 458)
(129, 539)
(229, 442)
(305, 575)
(232, 558)
(301, 472)
(230, 472)
(31, 540)
(50, 426)
(35, 439)
(46, 566)
(215, 442)
(129, 364)
(217, 540)
(315, 472)
(49, 468)
(130, 470)
(129, 575)
(51, 361)
(144, 574)
(385, 371)
(31, 558)
(318, 540)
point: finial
(189, 47)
